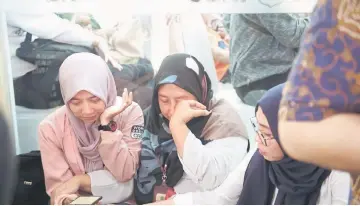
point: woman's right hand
(187, 110)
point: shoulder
(222, 107)
(53, 124)
(224, 114)
(337, 179)
(337, 176)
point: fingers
(72, 197)
(125, 96)
(257, 139)
(130, 98)
(195, 104)
(262, 148)
(200, 113)
(69, 199)
(271, 142)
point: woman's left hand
(186, 110)
(116, 109)
(271, 152)
(69, 187)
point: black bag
(30, 188)
(40, 88)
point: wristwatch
(111, 127)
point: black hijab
(186, 72)
(298, 183)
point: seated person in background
(35, 82)
(268, 176)
(219, 42)
(47, 26)
(91, 145)
(191, 141)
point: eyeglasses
(255, 125)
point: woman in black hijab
(272, 177)
(191, 140)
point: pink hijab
(89, 72)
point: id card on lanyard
(163, 192)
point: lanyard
(164, 168)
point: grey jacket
(263, 45)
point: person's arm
(103, 184)
(120, 150)
(210, 18)
(210, 164)
(340, 183)
(221, 55)
(55, 174)
(226, 194)
(286, 28)
(319, 109)
(98, 183)
(51, 26)
(330, 143)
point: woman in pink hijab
(91, 145)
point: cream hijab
(89, 72)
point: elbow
(124, 192)
(127, 173)
(211, 181)
(119, 192)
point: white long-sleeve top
(334, 191)
(207, 166)
(42, 25)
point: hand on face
(271, 152)
(186, 110)
(116, 109)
